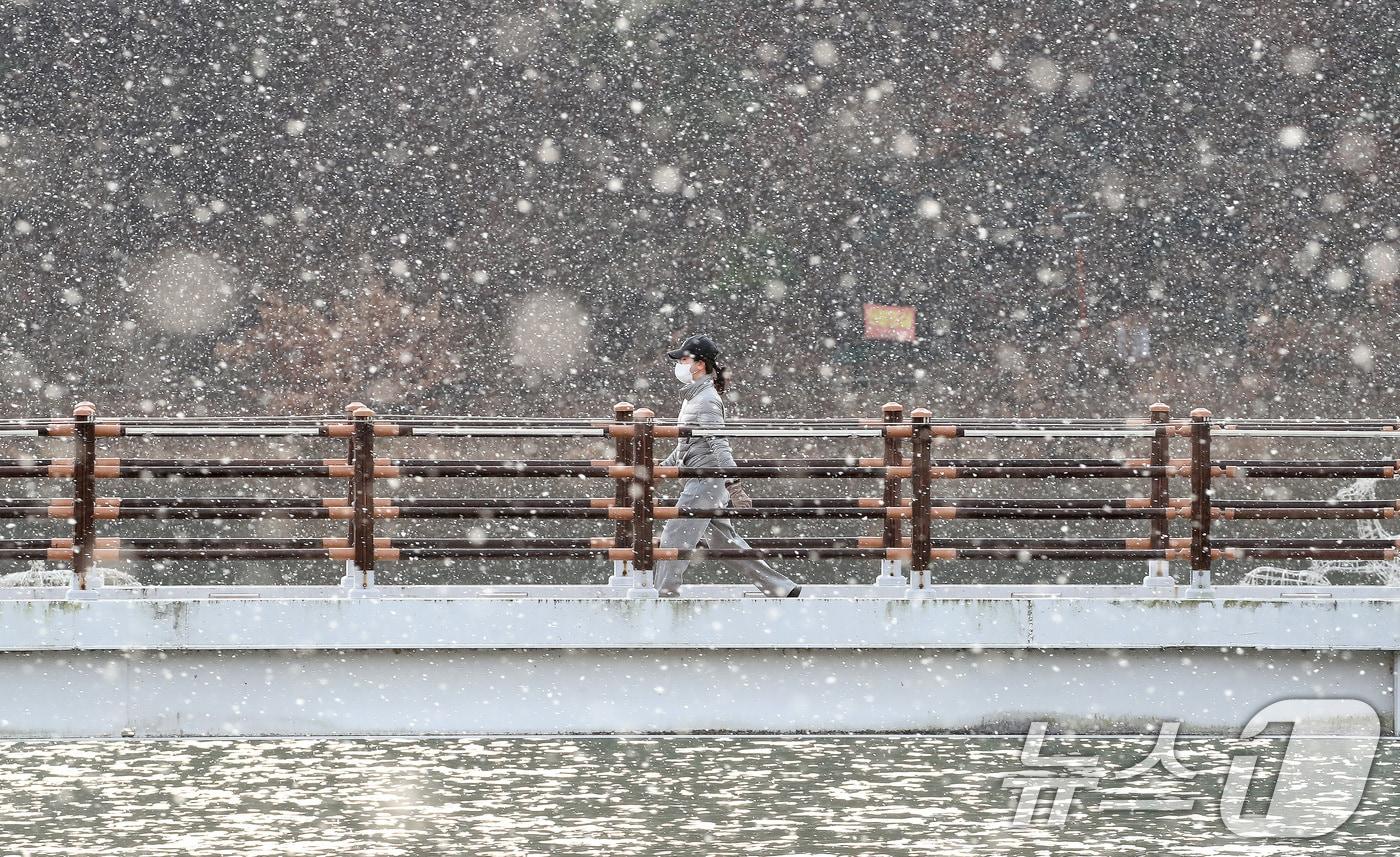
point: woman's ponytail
(722, 374)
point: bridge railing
(915, 533)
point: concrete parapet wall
(448, 660)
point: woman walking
(703, 383)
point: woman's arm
(721, 455)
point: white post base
(354, 576)
(918, 584)
(1200, 584)
(891, 574)
(1158, 573)
(622, 574)
(351, 577)
(643, 585)
(94, 583)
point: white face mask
(682, 371)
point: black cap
(700, 346)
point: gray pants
(686, 532)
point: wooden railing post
(890, 572)
(350, 410)
(642, 493)
(1159, 570)
(921, 525)
(84, 493)
(362, 502)
(622, 494)
(1200, 504)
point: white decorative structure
(1385, 572)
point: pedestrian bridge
(367, 651)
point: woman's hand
(738, 497)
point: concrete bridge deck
(268, 660)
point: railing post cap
(84, 409)
(1160, 408)
(622, 406)
(891, 407)
(362, 413)
(353, 407)
(1200, 414)
(643, 414)
(922, 414)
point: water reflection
(621, 796)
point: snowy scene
(638, 427)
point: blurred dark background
(502, 207)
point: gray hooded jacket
(701, 407)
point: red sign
(889, 322)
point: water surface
(628, 796)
